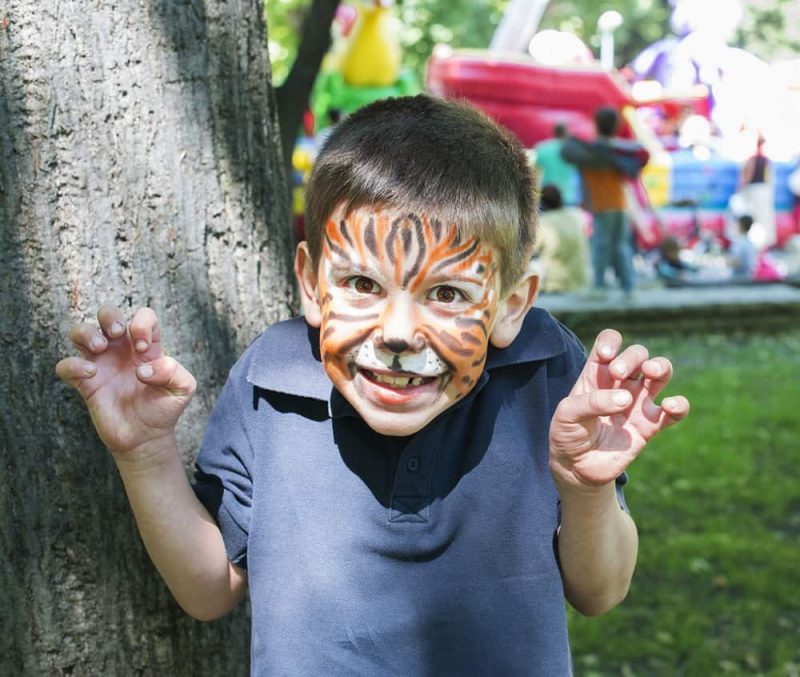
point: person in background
(758, 192)
(743, 254)
(606, 165)
(562, 247)
(670, 267)
(552, 169)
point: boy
(377, 472)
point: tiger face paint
(406, 311)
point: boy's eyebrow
(347, 266)
(457, 277)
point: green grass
(717, 503)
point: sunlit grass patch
(717, 503)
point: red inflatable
(524, 95)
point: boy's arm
(182, 539)
(135, 395)
(596, 433)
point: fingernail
(98, 342)
(117, 328)
(620, 369)
(145, 370)
(621, 398)
(89, 369)
(668, 403)
(141, 346)
(605, 351)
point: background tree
(771, 29)
(293, 94)
(139, 164)
(644, 23)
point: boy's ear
(512, 311)
(307, 282)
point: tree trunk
(139, 165)
(293, 96)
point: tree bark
(139, 165)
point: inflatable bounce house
(680, 98)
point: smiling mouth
(397, 381)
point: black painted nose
(398, 345)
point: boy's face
(406, 310)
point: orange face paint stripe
(442, 249)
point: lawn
(717, 503)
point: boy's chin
(395, 425)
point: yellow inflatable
(373, 56)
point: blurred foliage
(284, 19)
(645, 21)
(459, 23)
(770, 29)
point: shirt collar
(286, 360)
(540, 338)
(286, 356)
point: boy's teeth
(398, 381)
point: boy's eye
(445, 294)
(363, 285)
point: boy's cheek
(466, 370)
(339, 342)
(461, 343)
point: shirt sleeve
(223, 472)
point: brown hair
(441, 158)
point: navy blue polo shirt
(374, 555)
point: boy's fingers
(579, 408)
(72, 370)
(111, 321)
(146, 333)
(672, 410)
(168, 373)
(595, 371)
(657, 373)
(657, 368)
(87, 338)
(606, 346)
(675, 409)
(629, 363)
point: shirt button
(412, 465)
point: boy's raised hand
(135, 394)
(610, 414)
